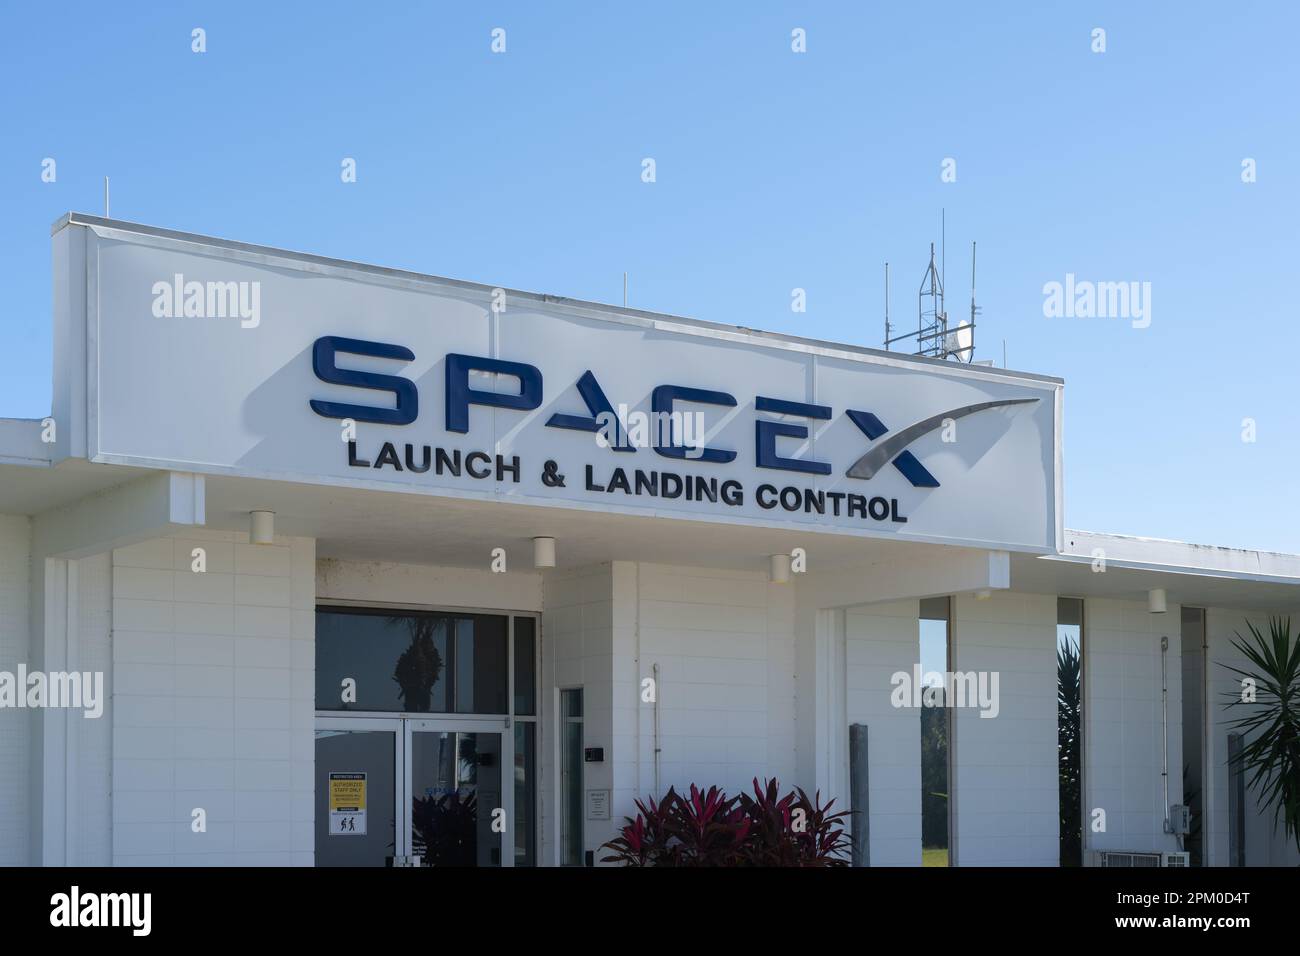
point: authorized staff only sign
(347, 796)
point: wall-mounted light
(779, 573)
(543, 552)
(1156, 603)
(261, 527)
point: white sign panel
(228, 359)
(597, 804)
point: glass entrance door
(391, 790)
(434, 712)
(461, 811)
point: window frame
(486, 720)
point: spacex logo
(894, 447)
(775, 439)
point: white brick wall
(577, 651)
(880, 640)
(1122, 728)
(377, 582)
(723, 641)
(213, 698)
(724, 644)
(1006, 787)
(15, 545)
(91, 826)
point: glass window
(571, 703)
(571, 839)
(525, 666)
(410, 662)
(481, 664)
(935, 731)
(370, 660)
(1193, 724)
(1069, 726)
(525, 793)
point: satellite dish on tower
(934, 337)
(960, 342)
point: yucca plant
(1270, 751)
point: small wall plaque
(597, 804)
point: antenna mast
(934, 338)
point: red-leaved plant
(708, 828)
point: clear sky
(774, 170)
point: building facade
(319, 563)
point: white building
(416, 453)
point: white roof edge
(21, 444)
(1179, 557)
(758, 336)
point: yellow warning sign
(347, 797)
(347, 791)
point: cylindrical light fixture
(1156, 603)
(779, 573)
(543, 552)
(261, 529)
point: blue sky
(775, 170)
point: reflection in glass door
(458, 811)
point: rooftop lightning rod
(888, 328)
(974, 310)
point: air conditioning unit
(1124, 858)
